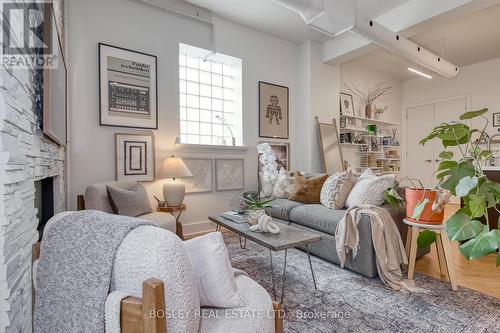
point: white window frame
(193, 135)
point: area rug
(348, 302)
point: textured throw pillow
(369, 189)
(307, 190)
(213, 272)
(132, 202)
(336, 189)
(284, 184)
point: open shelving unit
(378, 151)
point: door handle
(429, 160)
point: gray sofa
(323, 221)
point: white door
(419, 160)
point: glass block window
(209, 97)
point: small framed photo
(201, 168)
(273, 111)
(135, 157)
(128, 95)
(282, 152)
(229, 174)
(346, 104)
(496, 119)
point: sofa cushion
(129, 202)
(369, 189)
(281, 208)
(317, 216)
(307, 190)
(163, 220)
(336, 189)
(96, 195)
(256, 316)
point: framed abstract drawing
(273, 111)
(346, 105)
(135, 157)
(128, 93)
(229, 174)
(201, 168)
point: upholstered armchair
(96, 198)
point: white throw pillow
(369, 189)
(284, 184)
(336, 189)
(213, 272)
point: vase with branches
(228, 126)
(369, 97)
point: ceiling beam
(349, 46)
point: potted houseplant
(256, 207)
(462, 175)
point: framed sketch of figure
(273, 111)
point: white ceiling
(468, 40)
(271, 18)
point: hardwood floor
(480, 274)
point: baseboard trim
(197, 228)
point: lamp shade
(173, 167)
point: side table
(442, 246)
(172, 210)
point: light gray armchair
(96, 197)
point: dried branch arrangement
(369, 97)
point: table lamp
(173, 168)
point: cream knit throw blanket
(389, 249)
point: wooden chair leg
(278, 317)
(408, 241)
(449, 260)
(440, 254)
(153, 306)
(415, 231)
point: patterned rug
(348, 302)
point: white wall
(481, 82)
(365, 78)
(137, 26)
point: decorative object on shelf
(201, 168)
(346, 105)
(54, 99)
(371, 129)
(174, 169)
(282, 152)
(496, 119)
(330, 150)
(379, 111)
(128, 95)
(395, 142)
(256, 207)
(134, 157)
(273, 111)
(228, 126)
(267, 169)
(265, 224)
(229, 174)
(369, 97)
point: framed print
(346, 105)
(201, 168)
(229, 174)
(496, 119)
(273, 111)
(128, 92)
(282, 152)
(135, 156)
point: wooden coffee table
(288, 237)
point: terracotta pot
(413, 196)
(368, 111)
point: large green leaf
(446, 155)
(486, 242)
(447, 165)
(493, 187)
(454, 134)
(426, 238)
(419, 208)
(465, 185)
(395, 202)
(477, 205)
(459, 227)
(473, 114)
(485, 154)
(456, 173)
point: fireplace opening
(44, 202)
